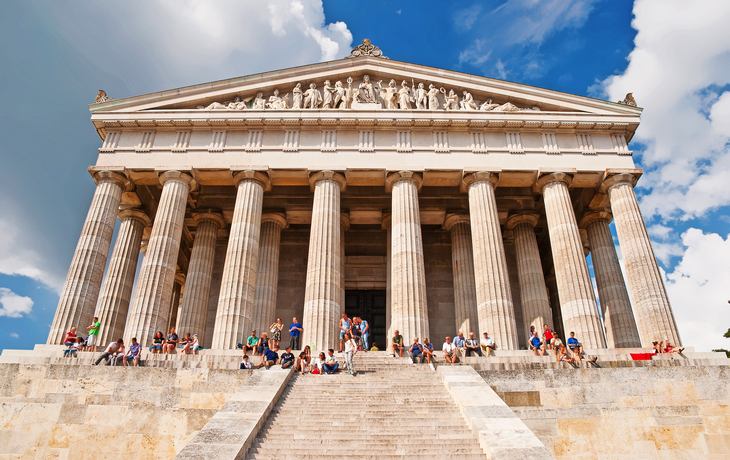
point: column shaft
(577, 301)
(116, 292)
(150, 307)
(344, 225)
(388, 286)
(215, 289)
(238, 287)
(494, 299)
(194, 306)
(618, 317)
(552, 287)
(654, 316)
(267, 278)
(462, 264)
(81, 289)
(322, 295)
(174, 308)
(409, 312)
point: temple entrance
(370, 306)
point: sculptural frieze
(312, 97)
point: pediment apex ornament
(102, 97)
(629, 100)
(366, 48)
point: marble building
(424, 200)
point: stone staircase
(390, 410)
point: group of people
(549, 341)
(188, 345)
(322, 364)
(75, 343)
(664, 346)
(453, 351)
(358, 329)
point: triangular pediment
(256, 93)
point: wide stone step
(365, 456)
(344, 452)
(285, 440)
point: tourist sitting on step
(657, 347)
(562, 354)
(427, 349)
(185, 341)
(318, 364)
(70, 339)
(345, 328)
(460, 345)
(350, 349)
(416, 352)
(245, 363)
(157, 342)
(112, 352)
(472, 346)
(71, 352)
(263, 344)
(557, 343)
(397, 345)
(252, 344)
(304, 360)
(191, 347)
(268, 358)
(170, 342)
(536, 345)
(450, 351)
(275, 329)
(287, 358)
(669, 348)
(331, 365)
(133, 354)
(488, 345)
(575, 346)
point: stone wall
(638, 413)
(85, 412)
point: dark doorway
(370, 306)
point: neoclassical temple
(421, 199)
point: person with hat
(252, 343)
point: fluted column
(215, 289)
(344, 225)
(194, 306)
(534, 294)
(150, 307)
(322, 295)
(552, 287)
(385, 225)
(654, 316)
(81, 289)
(178, 289)
(238, 287)
(618, 317)
(494, 299)
(116, 292)
(462, 264)
(267, 278)
(577, 300)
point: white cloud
(398, 11)
(677, 72)
(698, 290)
(13, 305)
(14, 335)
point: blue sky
(674, 55)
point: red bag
(316, 371)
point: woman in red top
(70, 337)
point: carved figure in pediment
(297, 97)
(629, 100)
(421, 96)
(312, 97)
(217, 106)
(102, 97)
(488, 106)
(259, 103)
(339, 96)
(405, 96)
(365, 92)
(433, 100)
(507, 107)
(278, 103)
(389, 95)
(467, 103)
(327, 91)
(451, 100)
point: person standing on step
(427, 348)
(416, 352)
(93, 334)
(460, 346)
(111, 353)
(397, 346)
(287, 359)
(356, 333)
(330, 363)
(345, 328)
(365, 330)
(549, 337)
(449, 351)
(350, 350)
(275, 330)
(472, 345)
(295, 332)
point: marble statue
(297, 97)
(327, 95)
(421, 97)
(451, 101)
(487, 106)
(349, 94)
(433, 100)
(259, 103)
(507, 107)
(312, 97)
(467, 103)
(405, 96)
(389, 95)
(278, 103)
(338, 95)
(102, 97)
(628, 100)
(366, 92)
(366, 49)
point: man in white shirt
(488, 345)
(112, 352)
(449, 351)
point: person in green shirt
(252, 343)
(397, 346)
(93, 334)
(374, 347)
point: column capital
(279, 218)
(618, 177)
(549, 178)
(179, 176)
(590, 217)
(479, 176)
(345, 220)
(116, 177)
(136, 214)
(398, 176)
(457, 218)
(318, 176)
(209, 215)
(530, 218)
(253, 176)
(180, 278)
(387, 219)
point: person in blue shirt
(133, 354)
(416, 352)
(268, 358)
(575, 346)
(287, 359)
(536, 344)
(460, 346)
(295, 332)
(365, 329)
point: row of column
(247, 296)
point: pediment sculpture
(366, 49)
